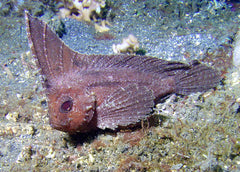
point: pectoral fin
(125, 106)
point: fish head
(71, 110)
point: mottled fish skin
(86, 92)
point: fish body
(87, 92)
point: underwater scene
(120, 86)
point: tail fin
(198, 77)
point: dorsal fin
(145, 64)
(53, 56)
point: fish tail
(197, 78)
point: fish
(91, 92)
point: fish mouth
(59, 127)
(62, 126)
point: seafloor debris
(85, 10)
(221, 58)
(236, 51)
(102, 27)
(128, 45)
(81, 10)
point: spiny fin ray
(126, 105)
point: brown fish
(86, 92)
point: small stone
(29, 129)
(25, 154)
(238, 100)
(177, 166)
(91, 158)
(12, 116)
(51, 154)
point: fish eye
(66, 106)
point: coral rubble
(82, 10)
(128, 45)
